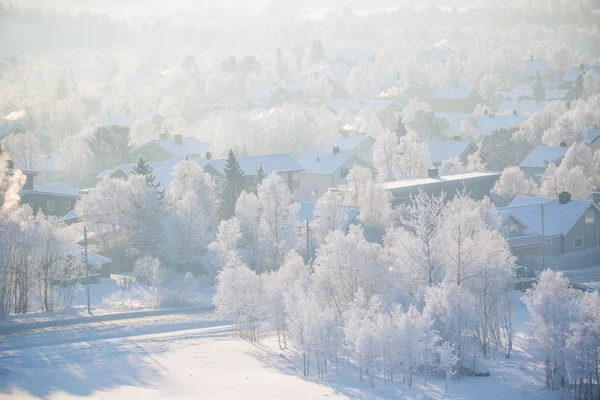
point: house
(521, 107)
(282, 164)
(571, 75)
(442, 150)
(165, 148)
(349, 143)
(532, 66)
(477, 184)
(351, 57)
(55, 198)
(125, 170)
(436, 54)
(7, 129)
(591, 137)
(323, 170)
(536, 226)
(536, 162)
(492, 122)
(356, 105)
(269, 96)
(455, 99)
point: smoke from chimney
(10, 184)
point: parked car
(523, 271)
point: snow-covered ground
(106, 297)
(194, 356)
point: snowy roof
(542, 155)
(531, 67)
(487, 125)
(522, 106)
(346, 143)
(307, 212)
(56, 188)
(453, 93)
(118, 120)
(127, 169)
(47, 162)
(440, 150)
(360, 104)
(324, 162)
(353, 55)
(592, 135)
(71, 215)
(7, 128)
(436, 54)
(282, 162)
(505, 216)
(520, 90)
(339, 71)
(444, 178)
(556, 94)
(93, 258)
(559, 219)
(298, 84)
(573, 73)
(189, 146)
(95, 74)
(264, 92)
(454, 119)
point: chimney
(178, 138)
(432, 172)
(581, 66)
(563, 144)
(163, 135)
(317, 159)
(49, 156)
(457, 138)
(10, 164)
(531, 57)
(336, 149)
(208, 155)
(564, 197)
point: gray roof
(573, 73)
(441, 150)
(407, 183)
(264, 92)
(559, 219)
(189, 146)
(452, 93)
(360, 104)
(7, 128)
(531, 67)
(346, 143)
(71, 215)
(93, 258)
(487, 125)
(556, 94)
(591, 135)
(325, 163)
(51, 188)
(542, 155)
(436, 54)
(522, 106)
(307, 212)
(279, 163)
(353, 55)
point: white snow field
(195, 356)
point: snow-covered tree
(563, 179)
(513, 183)
(150, 271)
(329, 215)
(448, 361)
(277, 227)
(239, 298)
(539, 122)
(24, 150)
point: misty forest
(300, 199)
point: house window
(344, 173)
(589, 217)
(513, 229)
(578, 242)
(548, 241)
(295, 180)
(50, 205)
(67, 205)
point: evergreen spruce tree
(259, 177)
(400, 128)
(232, 186)
(144, 169)
(539, 93)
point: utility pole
(543, 242)
(87, 269)
(307, 244)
